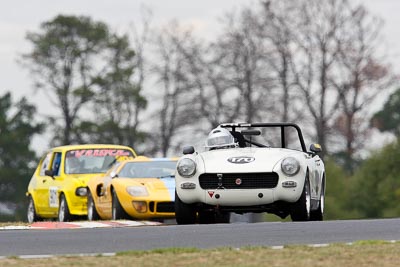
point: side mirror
(188, 150)
(316, 148)
(113, 174)
(49, 173)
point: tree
(362, 76)
(338, 193)
(176, 108)
(17, 160)
(290, 60)
(277, 21)
(63, 61)
(117, 100)
(388, 119)
(329, 51)
(375, 186)
(316, 36)
(244, 81)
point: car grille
(162, 207)
(248, 180)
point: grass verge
(363, 253)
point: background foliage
(17, 160)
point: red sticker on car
(98, 153)
(211, 193)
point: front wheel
(118, 211)
(31, 211)
(92, 214)
(184, 213)
(63, 211)
(301, 209)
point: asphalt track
(111, 240)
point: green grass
(360, 254)
(3, 224)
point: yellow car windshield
(150, 169)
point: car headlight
(137, 191)
(81, 191)
(290, 166)
(186, 168)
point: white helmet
(219, 138)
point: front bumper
(286, 189)
(156, 206)
(78, 205)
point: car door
(54, 183)
(42, 185)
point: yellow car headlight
(137, 191)
(81, 191)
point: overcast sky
(19, 16)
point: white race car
(250, 167)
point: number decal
(53, 197)
(241, 160)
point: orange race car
(140, 188)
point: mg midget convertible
(250, 167)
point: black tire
(118, 213)
(63, 211)
(318, 214)
(92, 214)
(184, 213)
(31, 214)
(207, 217)
(301, 209)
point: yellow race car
(58, 187)
(140, 188)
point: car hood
(244, 159)
(152, 184)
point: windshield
(150, 169)
(92, 160)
